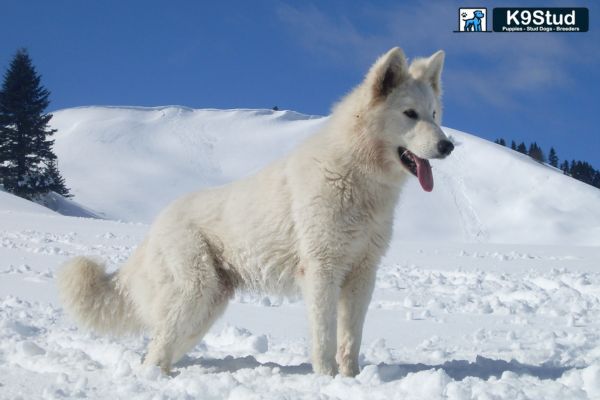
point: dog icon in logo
(473, 24)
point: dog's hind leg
(195, 295)
(184, 326)
(188, 343)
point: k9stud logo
(524, 19)
(541, 19)
(472, 19)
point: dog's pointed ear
(389, 71)
(429, 70)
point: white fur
(317, 221)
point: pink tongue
(424, 173)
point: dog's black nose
(445, 147)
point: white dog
(318, 220)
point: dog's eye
(412, 114)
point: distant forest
(580, 170)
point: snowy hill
(49, 203)
(10, 204)
(128, 163)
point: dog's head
(478, 14)
(406, 114)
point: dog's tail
(96, 299)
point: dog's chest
(365, 226)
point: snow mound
(67, 207)
(9, 203)
(128, 163)
(49, 204)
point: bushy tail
(95, 298)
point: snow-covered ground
(470, 303)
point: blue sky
(305, 55)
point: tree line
(28, 165)
(580, 170)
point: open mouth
(417, 166)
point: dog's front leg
(355, 297)
(321, 292)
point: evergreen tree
(500, 141)
(521, 148)
(596, 180)
(536, 152)
(542, 155)
(27, 166)
(56, 182)
(552, 157)
(583, 171)
(513, 145)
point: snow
(10, 204)
(65, 206)
(140, 159)
(471, 301)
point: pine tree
(513, 145)
(26, 156)
(500, 141)
(596, 180)
(583, 171)
(542, 157)
(536, 152)
(521, 148)
(552, 157)
(56, 181)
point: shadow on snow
(482, 368)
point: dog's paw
(325, 369)
(349, 370)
